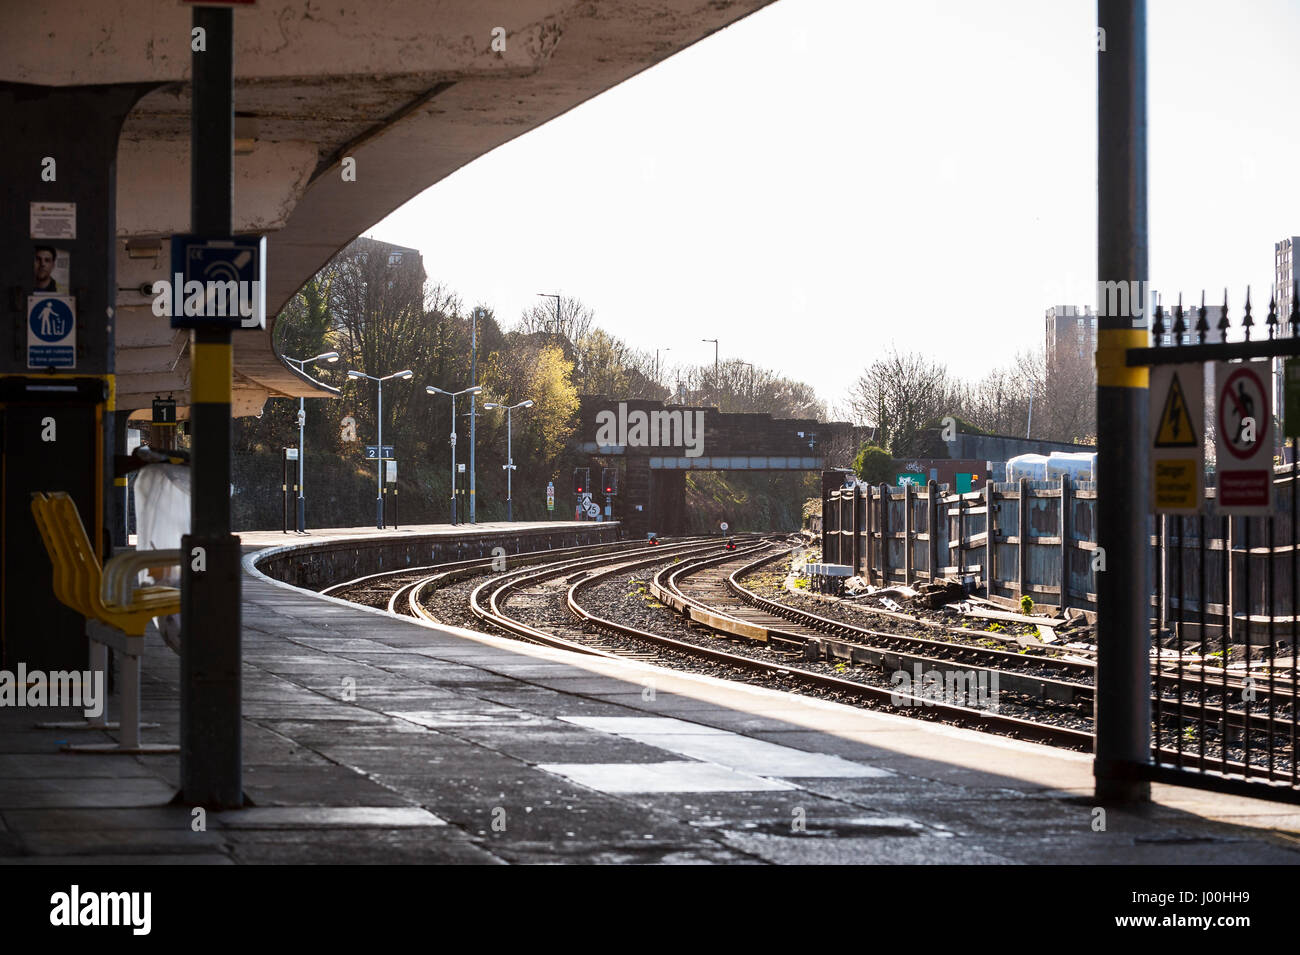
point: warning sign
(1176, 417)
(1243, 421)
(1175, 429)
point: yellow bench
(116, 612)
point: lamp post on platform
(473, 390)
(302, 363)
(404, 375)
(510, 461)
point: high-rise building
(1191, 315)
(1071, 332)
(1285, 272)
(1284, 277)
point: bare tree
(901, 395)
(574, 322)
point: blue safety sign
(51, 331)
(216, 283)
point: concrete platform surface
(371, 739)
(321, 535)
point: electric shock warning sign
(1176, 417)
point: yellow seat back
(88, 575)
(65, 589)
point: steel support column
(1123, 707)
(211, 759)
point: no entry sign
(1244, 444)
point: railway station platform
(323, 535)
(380, 740)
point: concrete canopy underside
(410, 89)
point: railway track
(542, 605)
(540, 599)
(1207, 712)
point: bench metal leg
(98, 664)
(129, 652)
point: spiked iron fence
(1225, 613)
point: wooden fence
(1044, 542)
(1041, 544)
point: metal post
(990, 540)
(379, 464)
(211, 767)
(302, 454)
(510, 471)
(284, 492)
(473, 404)
(453, 459)
(932, 522)
(1066, 543)
(908, 531)
(1123, 692)
(1022, 536)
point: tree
(383, 325)
(874, 465)
(900, 394)
(573, 325)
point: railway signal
(581, 480)
(609, 480)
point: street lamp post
(379, 463)
(557, 308)
(302, 363)
(472, 390)
(750, 365)
(715, 366)
(657, 351)
(510, 460)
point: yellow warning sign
(1177, 486)
(1175, 429)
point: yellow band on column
(212, 367)
(1112, 347)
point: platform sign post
(1244, 445)
(1176, 430)
(390, 477)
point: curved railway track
(539, 599)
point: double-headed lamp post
(474, 390)
(510, 460)
(301, 364)
(379, 464)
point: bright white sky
(921, 172)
